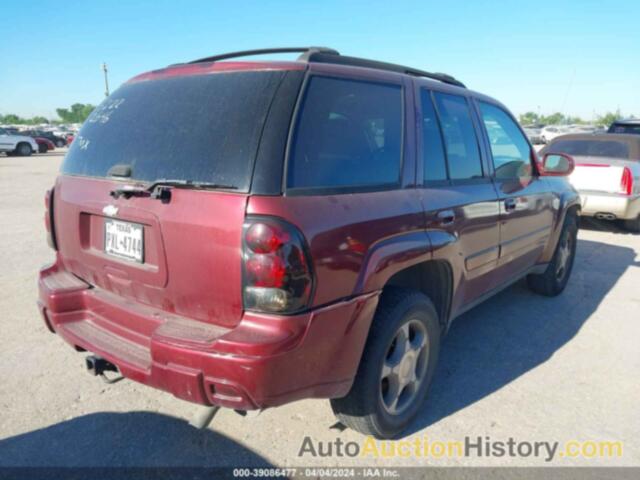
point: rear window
(349, 134)
(591, 148)
(621, 128)
(203, 128)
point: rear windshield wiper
(157, 188)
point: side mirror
(557, 165)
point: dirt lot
(519, 366)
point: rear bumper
(622, 206)
(264, 361)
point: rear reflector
(276, 269)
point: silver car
(607, 174)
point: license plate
(124, 240)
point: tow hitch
(98, 366)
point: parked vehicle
(57, 140)
(21, 145)
(44, 144)
(550, 132)
(631, 125)
(313, 240)
(69, 139)
(607, 174)
(534, 135)
(585, 128)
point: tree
(38, 120)
(609, 117)
(553, 119)
(12, 118)
(78, 113)
(529, 118)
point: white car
(17, 144)
(534, 135)
(550, 132)
(607, 174)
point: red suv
(247, 234)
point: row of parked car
(543, 134)
(26, 142)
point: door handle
(446, 217)
(510, 204)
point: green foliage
(11, 119)
(77, 114)
(609, 117)
(530, 118)
(39, 120)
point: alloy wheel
(405, 367)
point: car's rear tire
(42, 148)
(60, 143)
(633, 225)
(396, 368)
(554, 279)
(24, 149)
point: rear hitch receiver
(98, 366)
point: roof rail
(328, 55)
(325, 57)
(265, 51)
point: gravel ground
(519, 366)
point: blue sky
(572, 56)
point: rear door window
(199, 128)
(435, 168)
(349, 135)
(509, 148)
(461, 143)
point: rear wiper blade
(156, 190)
(188, 184)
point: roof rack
(329, 55)
(265, 51)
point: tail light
(626, 182)
(48, 219)
(277, 273)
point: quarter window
(349, 134)
(460, 139)
(435, 168)
(509, 147)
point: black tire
(60, 143)
(554, 280)
(363, 409)
(633, 225)
(42, 148)
(23, 149)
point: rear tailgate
(190, 247)
(598, 174)
(181, 254)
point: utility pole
(106, 79)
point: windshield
(592, 148)
(202, 129)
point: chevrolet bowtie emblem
(110, 210)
